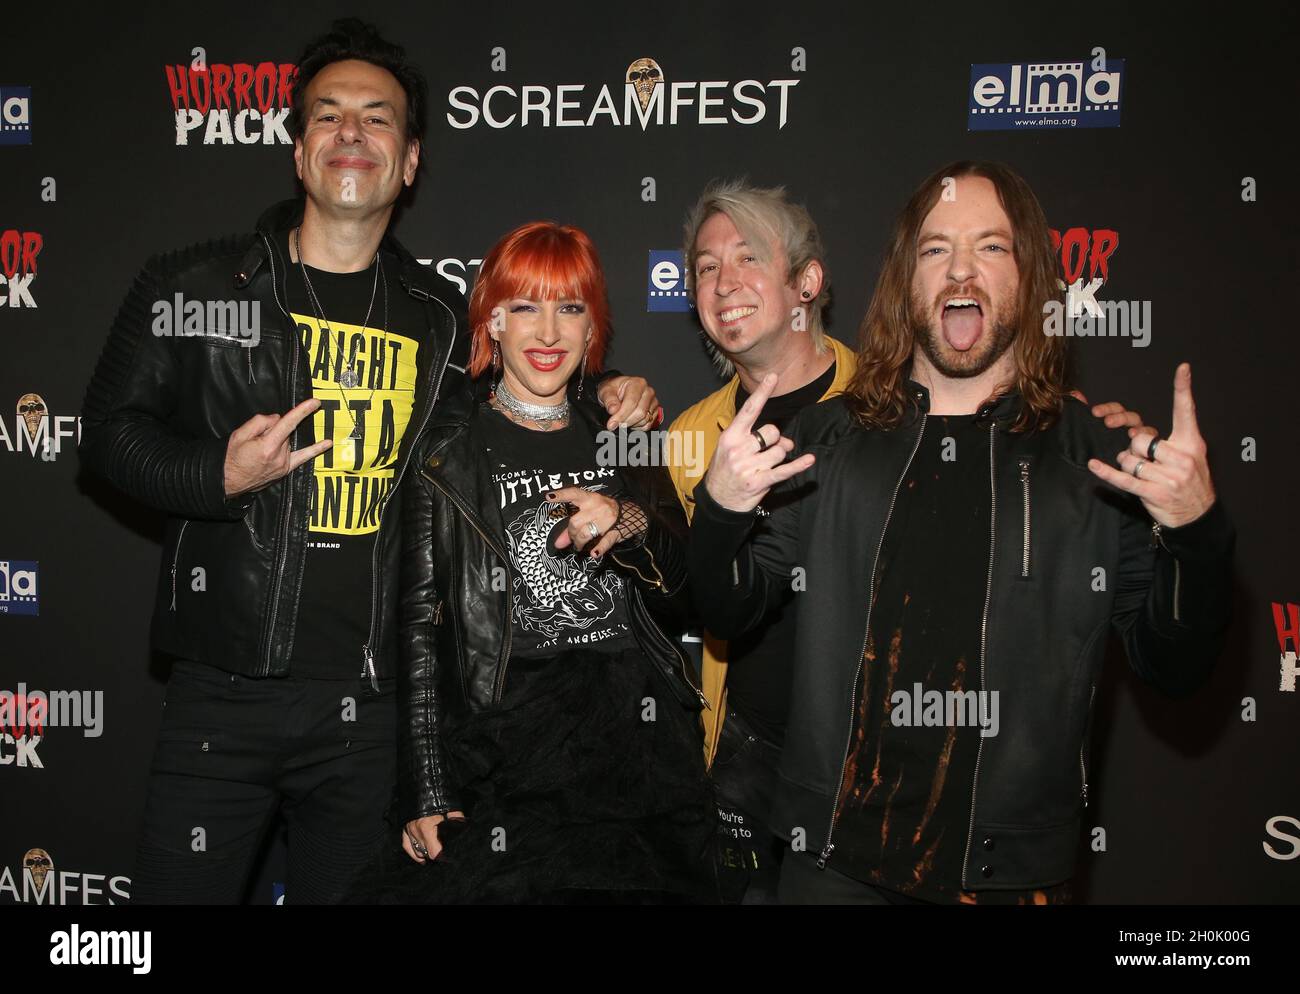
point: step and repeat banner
(1156, 148)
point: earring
(807, 295)
(496, 366)
(582, 375)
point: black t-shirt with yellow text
(364, 373)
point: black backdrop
(1198, 799)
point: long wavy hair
(877, 393)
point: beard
(995, 338)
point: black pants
(744, 777)
(232, 752)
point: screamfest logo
(365, 380)
(646, 97)
(1005, 95)
(36, 880)
(18, 252)
(231, 103)
(38, 432)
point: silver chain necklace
(543, 414)
(347, 378)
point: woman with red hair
(549, 738)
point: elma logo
(667, 289)
(15, 115)
(18, 588)
(1044, 95)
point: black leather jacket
(157, 418)
(1069, 559)
(455, 624)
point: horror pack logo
(18, 252)
(37, 432)
(1084, 254)
(15, 115)
(1005, 95)
(38, 880)
(642, 96)
(1286, 620)
(237, 103)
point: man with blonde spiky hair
(756, 272)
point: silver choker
(543, 414)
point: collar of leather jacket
(1002, 409)
(286, 214)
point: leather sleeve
(1173, 601)
(422, 787)
(741, 562)
(127, 433)
(658, 561)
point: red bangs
(543, 261)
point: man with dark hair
(277, 589)
(960, 564)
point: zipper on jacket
(1158, 540)
(1024, 488)
(503, 660)
(1083, 768)
(672, 649)
(286, 513)
(829, 847)
(176, 555)
(984, 627)
(367, 653)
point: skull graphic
(38, 862)
(31, 408)
(645, 75)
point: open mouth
(962, 321)
(545, 361)
(735, 315)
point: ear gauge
(806, 295)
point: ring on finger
(1151, 449)
(592, 530)
(763, 444)
(1137, 468)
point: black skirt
(587, 785)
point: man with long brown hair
(963, 549)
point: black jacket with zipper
(157, 419)
(455, 624)
(1069, 558)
